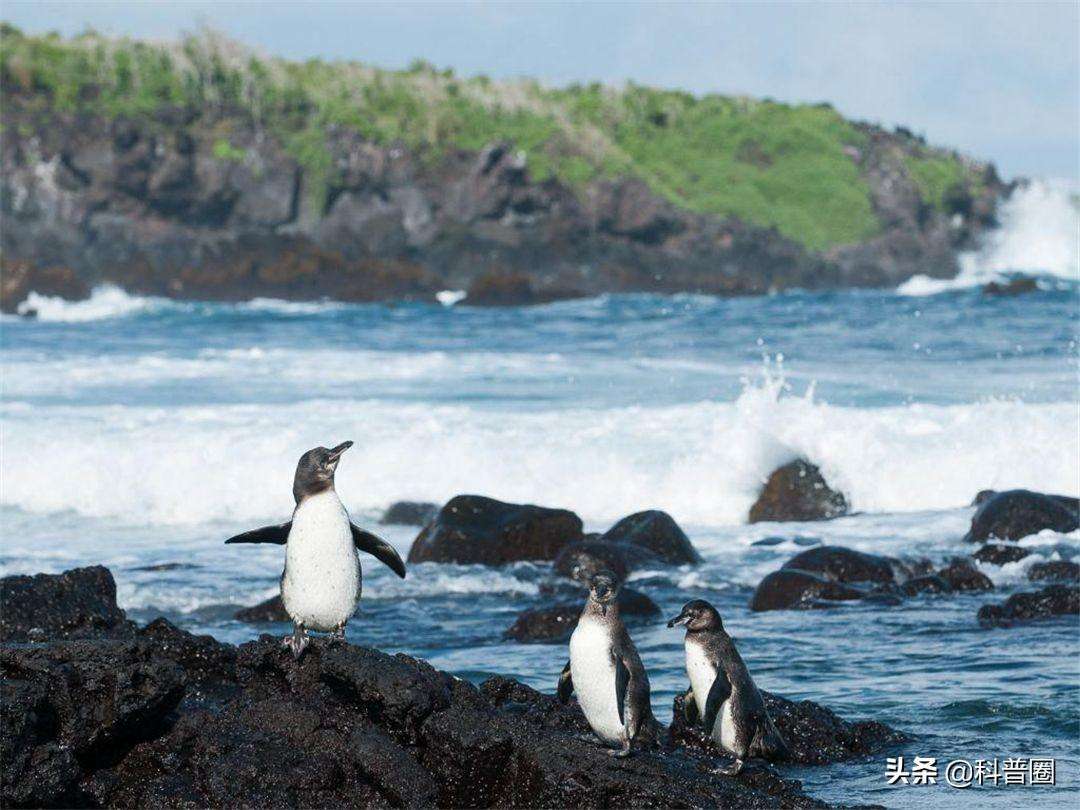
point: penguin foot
(734, 770)
(338, 634)
(297, 642)
(621, 753)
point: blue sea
(142, 432)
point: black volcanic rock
(1055, 570)
(843, 564)
(475, 529)
(797, 491)
(80, 603)
(409, 513)
(656, 532)
(1014, 286)
(103, 724)
(928, 583)
(1053, 600)
(814, 734)
(270, 610)
(788, 589)
(1017, 513)
(579, 561)
(557, 622)
(962, 575)
(1000, 553)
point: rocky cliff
(189, 172)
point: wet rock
(656, 532)
(475, 529)
(1053, 600)
(1014, 286)
(1000, 554)
(80, 603)
(1055, 570)
(1018, 513)
(843, 564)
(814, 734)
(982, 496)
(557, 622)
(19, 279)
(170, 566)
(579, 561)
(271, 610)
(204, 659)
(797, 491)
(344, 726)
(962, 575)
(409, 513)
(790, 589)
(925, 584)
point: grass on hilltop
(770, 164)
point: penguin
(606, 671)
(320, 586)
(722, 693)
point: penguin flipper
(718, 693)
(278, 535)
(622, 682)
(379, 549)
(690, 710)
(566, 684)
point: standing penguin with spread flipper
(605, 670)
(722, 693)
(320, 585)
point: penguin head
(315, 470)
(698, 615)
(603, 588)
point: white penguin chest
(321, 584)
(592, 667)
(702, 673)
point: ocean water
(141, 432)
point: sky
(997, 80)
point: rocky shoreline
(200, 201)
(99, 712)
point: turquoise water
(138, 432)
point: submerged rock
(475, 529)
(797, 491)
(77, 604)
(1018, 513)
(1055, 570)
(658, 533)
(814, 734)
(1000, 554)
(557, 622)
(1014, 286)
(409, 513)
(1053, 600)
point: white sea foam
(450, 297)
(104, 302)
(703, 462)
(1040, 228)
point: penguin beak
(681, 619)
(335, 454)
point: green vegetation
(224, 150)
(768, 163)
(937, 177)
